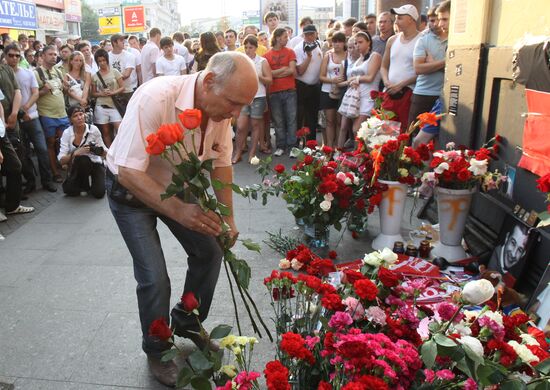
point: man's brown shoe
(164, 372)
(201, 342)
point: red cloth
(536, 133)
(278, 59)
(400, 107)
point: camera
(95, 149)
(309, 46)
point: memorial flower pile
(364, 327)
(543, 185)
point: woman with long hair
(365, 76)
(106, 83)
(78, 81)
(253, 113)
(332, 74)
(209, 47)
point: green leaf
(444, 340)
(224, 210)
(544, 367)
(201, 383)
(196, 181)
(169, 355)
(199, 362)
(220, 331)
(541, 385)
(207, 164)
(184, 377)
(251, 245)
(512, 384)
(490, 373)
(338, 225)
(429, 353)
(463, 366)
(236, 189)
(217, 184)
(243, 273)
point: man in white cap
(397, 68)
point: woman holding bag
(365, 77)
(106, 83)
(332, 75)
(78, 81)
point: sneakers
(50, 187)
(21, 210)
(279, 152)
(164, 372)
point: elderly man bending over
(136, 180)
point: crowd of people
(67, 98)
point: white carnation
(528, 339)
(441, 168)
(329, 197)
(478, 167)
(296, 265)
(284, 264)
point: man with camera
(308, 68)
(82, 150)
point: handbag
(350, 103)
(118, 100)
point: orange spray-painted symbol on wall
(393, 200)
(456, 206)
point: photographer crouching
(82, 150)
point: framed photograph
(508, 187)
(515, 241)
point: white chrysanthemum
(523, 352)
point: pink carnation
(244, 379)
(430, 375)
(354, 308)
(376, 314)
(340, 320)
(470, 384)
(497, 330)
(311, 342)
(446, 310)
(445, 374)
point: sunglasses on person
(13, 55)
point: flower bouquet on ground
(205, 366)
(364, 328)
(192, 179)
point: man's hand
(12, 121)
(393, 88)
(233, 232)
(192, 217)
(1, 157)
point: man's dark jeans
(31, 132)
(11, 168)
(308, 107)
(138, 226)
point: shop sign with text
(16, 14)
(73, 10)
(50, 20)
(58, 4)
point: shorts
(255, 109)
(105, 115)
(51, 125)
(328, 103)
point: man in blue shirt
(429, 64)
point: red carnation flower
(360, 204)
(352, 276)
(312, 144)
(332, 302)
(324, 386)
(365, 289)
(160, 329)
(543, 183)
(304, 131)
(332, 254)
(327, 149)
(276, 376)
(308, 159)
(464, 175)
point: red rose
(154, 145)
(189, 302)
(308, 159)
(354, 235)
(332, 164)
(279, 168)
(327, 149)
(360, 204)
(312, 144)
(160, 329)
(498, 138)
(332, 254)
(302, 132)
(191, 119)
(365, 289)
(464, 175)
(170, 134)
(543, 183)
(387, 277)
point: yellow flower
(227, 341)
(229, 370)
(241, 340)
(403, 172)
(252, 340)
(236, 350)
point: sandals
(236, 159)
(21, 210)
